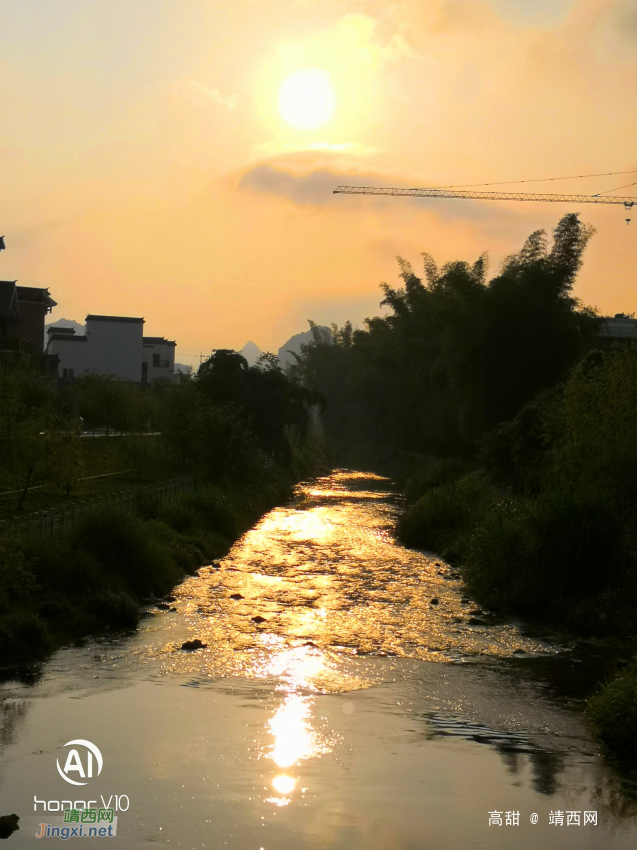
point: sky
(157, 160)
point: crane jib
(627, 202)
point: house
(23, 310)
(112, 345)
(620, 326)
(158, 359)
(35, 304)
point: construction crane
(627, 203)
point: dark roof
(58, 330)
(9, 300)
(90, 318)
(35, 294)
(158, 340)
(67, 337)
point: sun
(307, 99)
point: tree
(180, 415)
(456, 353)
(268, 402)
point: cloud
(295, 180)
(313, 188)
(200, 92)
(309, 187)
(616, 34)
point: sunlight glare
(294, 737)
(307, 99)
(283, 783)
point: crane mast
(627, 202)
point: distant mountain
(294, 344)
(251, 352)
(63, 323)
(66, 323)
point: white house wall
(110, 348)
(73, 354)
(166, 351)
(115, 348)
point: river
(371, 706)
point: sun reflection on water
(321, 582)
(292, 725)
(294, 737)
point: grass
(100, 456)
(444, 517)
(613, 713)
(538, 555)
(432, 472)
(563, 555)
(95, 578)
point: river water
(373, 707)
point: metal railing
(43, 525)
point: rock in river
(191, 645)
(8, 824)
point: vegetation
(613, 711)
(457, 354)
(534, 428)
(512, 427)
(246, 435)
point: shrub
(183, 549)
(181, 514)
(16, 578)
(516, 452)
(433, 472)
(22, 636)
(56, 608)
(125, 546)
(613, 711)
(533, 554)
(66, 569)
(442, 519)
(115, 608)
(227, 514)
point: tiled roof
(36, 294)
(158, 340)
(67, 337)
(112, 319)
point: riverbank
(95, 579)
(562, 559)
(332, 703)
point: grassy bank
(563, 557)
(95, 579)
(613, 713)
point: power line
(617, 188)
(542, 180)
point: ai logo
(75, 765)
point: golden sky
(146, 168)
